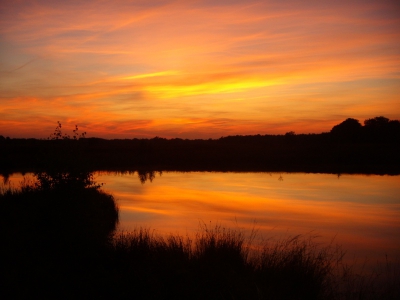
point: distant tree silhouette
(377, 122)
(381, 129)
(349, 124)
(290, 133)
(348, 147)
(394, 126)
(349, 129)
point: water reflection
(361, 212)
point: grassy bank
(220, 263)
(61, 243)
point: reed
(221, 263)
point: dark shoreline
(313, 153)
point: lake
(359, 212)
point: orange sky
(196, 69)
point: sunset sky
(196, 69)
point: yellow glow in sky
(208, 88)
(156, 74)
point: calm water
(362, 213)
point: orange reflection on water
(361, 212)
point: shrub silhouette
(66, 179)
(64, 163)
(52, 238)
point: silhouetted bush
(54, 238)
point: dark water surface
(360, 212)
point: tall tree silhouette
(348, 129)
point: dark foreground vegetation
(349, 148)
(59, 241)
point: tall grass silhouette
(221, 263)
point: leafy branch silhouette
(58, 135)
(66, 169)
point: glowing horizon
(196, 69)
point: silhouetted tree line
(349, 147)
(378, 129)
